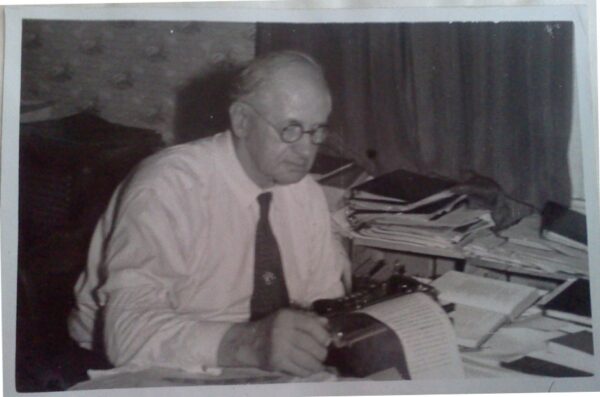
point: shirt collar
(243, 187)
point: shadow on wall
(202, 105)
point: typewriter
(361, 344)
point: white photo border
(580, 12)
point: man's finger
(290, 367)
(306, 362)
(315, 328)
(307, 343)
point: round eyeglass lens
(319, 135)
(291, 133)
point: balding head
(273, 94)
(265, 70)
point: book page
(425, 333)
(503, 297)
(474, 325)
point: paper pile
(521, 246)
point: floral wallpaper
(128, 72)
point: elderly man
(206, 253)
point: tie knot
(264, 200)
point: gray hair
(258, 72)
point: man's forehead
(300, 103)
(294, 81)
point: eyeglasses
(294, 131)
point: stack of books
(564, 226)
(413, 209)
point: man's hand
(289, 341)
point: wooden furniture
(431, 263)
(367, 254)
(68, 170)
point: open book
(482, 305)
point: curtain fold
(449, 98)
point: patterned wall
(128, 72)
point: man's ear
(239, 119)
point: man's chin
(290, 178)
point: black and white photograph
(296, 199)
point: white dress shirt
(171, 262)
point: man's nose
(304, 146)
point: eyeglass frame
(281, 131)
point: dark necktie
(270, 292)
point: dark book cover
(404, 185)
(581, 341)
(562, 221)
(575, 299)
(536, 366)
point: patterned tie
(270, 292)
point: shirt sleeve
(144, 258)
(330, 261)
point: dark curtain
(449, 98)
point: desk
(164, 377)
(416, 260)
(518, 254)
(452, 253)
(431, 262)
(527, 334)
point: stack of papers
(442, 220)
(423, 212)
(521, 246)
